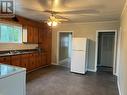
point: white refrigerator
(79, 58)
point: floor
(105, 69)
(57, 80)
(66, 63)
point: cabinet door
(16, 60)
(25, 61)
(36, 60)
(42, 59)
(42, 36)
(5, 60)
(30, 34)
(39, 60)
(32, 62)
(48, 57)
(35, 35)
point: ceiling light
(52, 21)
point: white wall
(87, 30)
(122, 74)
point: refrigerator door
(79, 44)
(78, 62)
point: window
(10, 33)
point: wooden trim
(58, 34)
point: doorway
(65, 48)
(106, 51)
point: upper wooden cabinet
(32, 35)
(29, 34)
(35, 35)
(5, 60)
(42, 36)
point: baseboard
(54, 63)
(38, 68)
(115, 74)
(62, 61)
(91, 70)
(119, 88)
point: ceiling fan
(54, 19)
(56, 16)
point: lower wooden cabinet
(43, 59)
(25, 61)
(5, 60)
(16, 60)
(29, 61)
(36, 60)
(32, 64)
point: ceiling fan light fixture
(52, 23)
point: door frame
(58, 39)
(115, 50)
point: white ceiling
(107, 9)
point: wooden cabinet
(25, 61)
(48, 58)
(32, 62)
(36, 60)
(35, 35)
(5, 60)
(16, 60)
(42, 60)
(29, 61)
(45, 42)
(39, 60)
(42, 36)
(29, 34)
(32, 35)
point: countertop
(12, 54)
(8, 70)
(3, 54)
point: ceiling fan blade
(52, 12)
(86, 11)
(89, 11)
(60, 17)
(63, 20)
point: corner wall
(87, 30)
(122, 74)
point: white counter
(12, 80)
(8, 70)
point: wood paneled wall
(38, 33)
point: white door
(78, 62)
